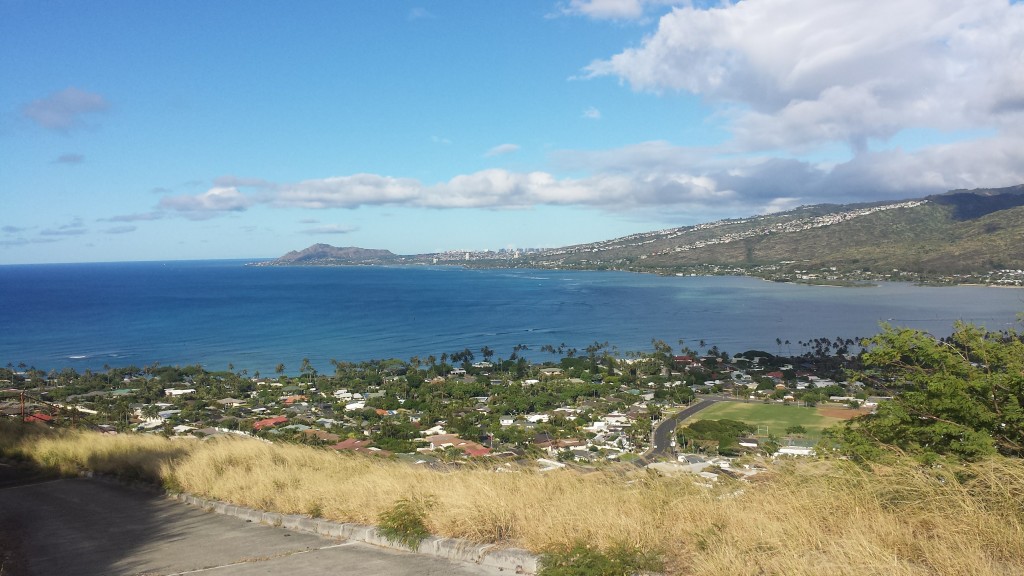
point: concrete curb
(514, 560)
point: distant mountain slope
(959, 236)
(325, 254)
(960, 232)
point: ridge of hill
(326, 255)
(961, 233)
(957, 237)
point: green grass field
(777, 417)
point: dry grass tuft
(808, 517)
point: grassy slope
(776, 417)
(811, 517)
(926, 238)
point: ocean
(221, 313)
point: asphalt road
(84, 527)
(662, 446)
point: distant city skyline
(191, 130)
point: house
(434, 430)
(178, 391)
(230, 402)
(747, 442)
(269, 422)
(553, 446)
(39, 417)
(441, 441)
(362, 446)
(795, 451)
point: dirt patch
(841, 413)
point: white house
(178, 391)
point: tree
(959, 397)
(795, 430)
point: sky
(244, 129)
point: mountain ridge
(958, 236)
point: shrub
(404, 523)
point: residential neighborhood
(584, 409)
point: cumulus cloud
(213, 201)
(63, 111)
(649, 177)
(347, 192)
(502, 149)
(793, 73)
(592, 113)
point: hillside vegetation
(928, 484)
(960, 236)
(811, 517)
(962, 232)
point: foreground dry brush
(820, 517)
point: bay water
(216, 313)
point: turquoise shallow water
(219, 312)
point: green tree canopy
(959, 396)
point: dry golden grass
(808, 517)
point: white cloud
(793, 73)
(653, 179)
(347, 192)
(592, 113)
(64, 110)
(213, 201)
(502, 149)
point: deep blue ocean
(219, 312)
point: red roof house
(269, 422)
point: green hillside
(960, 233)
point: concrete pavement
(89, 526)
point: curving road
(661, 447)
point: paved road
(84, 527)
(662, 447)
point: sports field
(777, 417)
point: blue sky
(186, 130)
